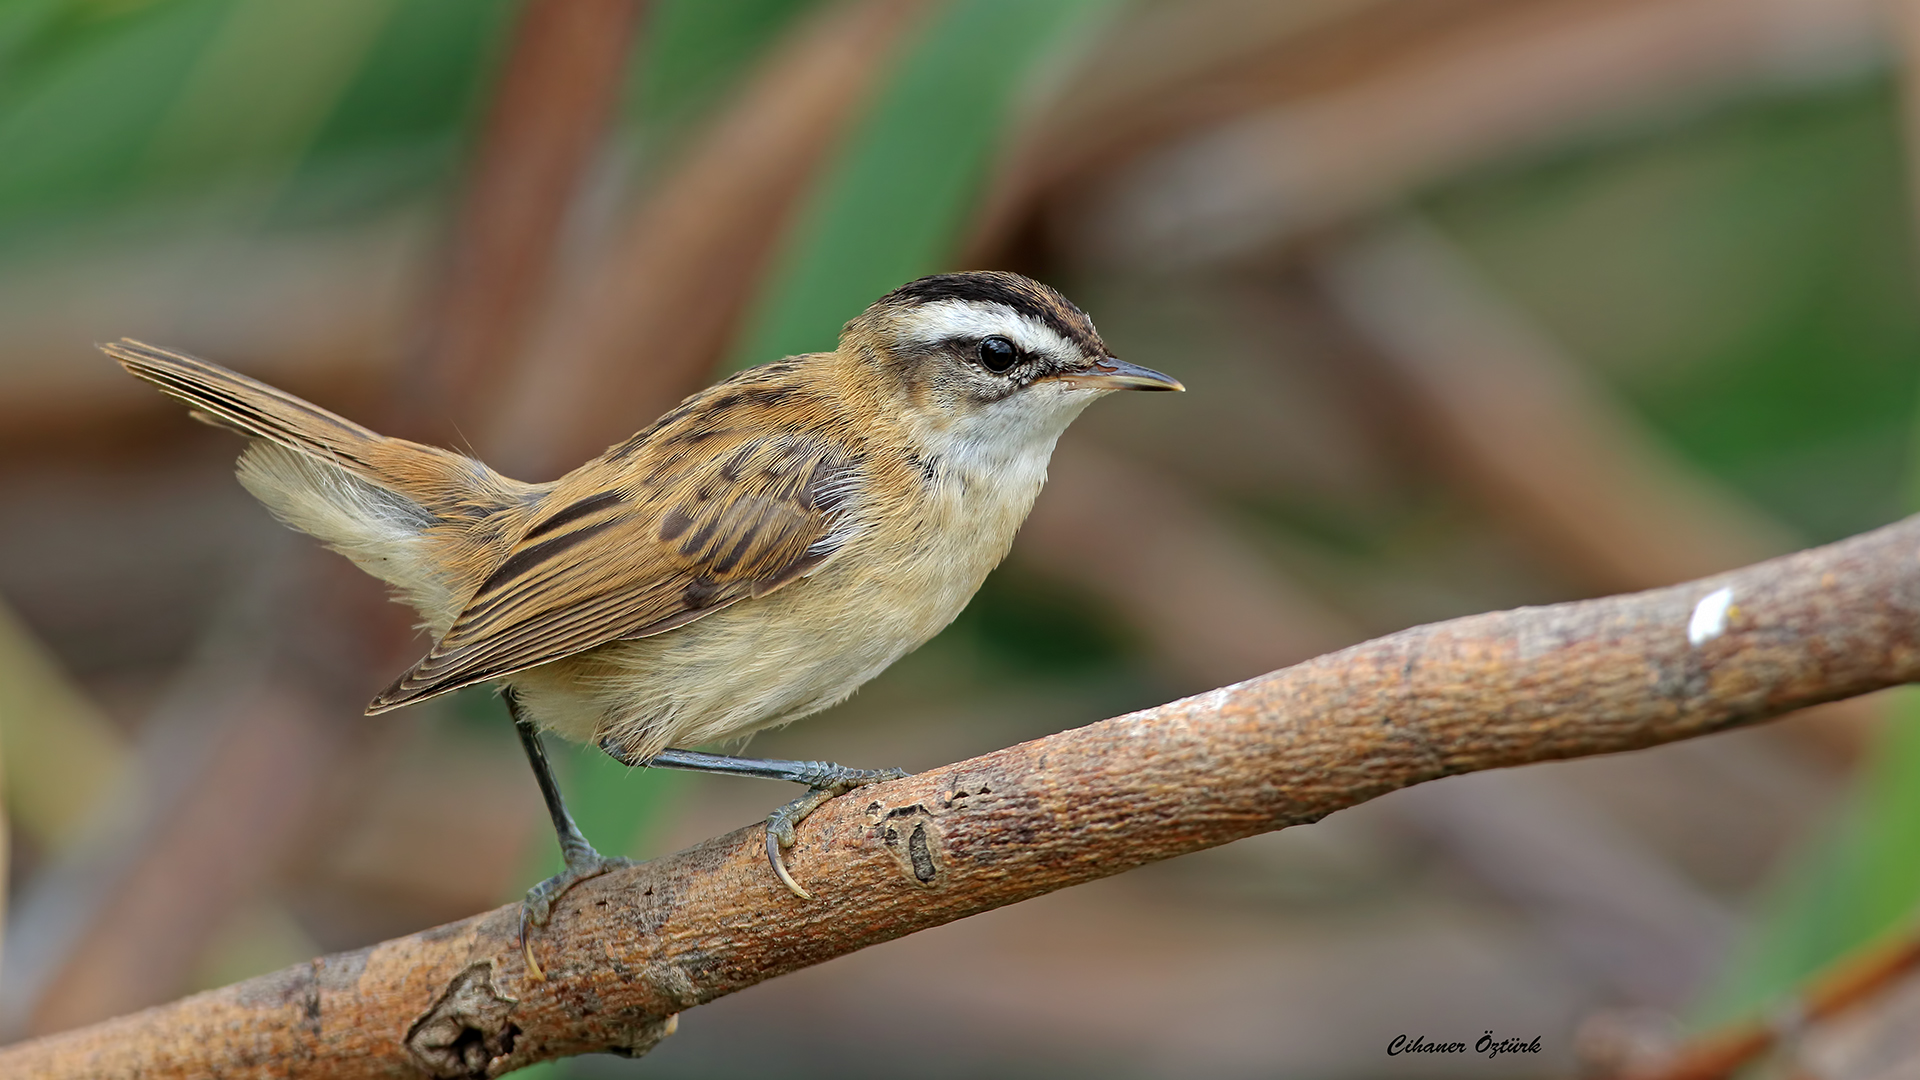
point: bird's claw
(537, 907)
(829, 781)
(778, 840)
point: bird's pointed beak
(1116, 374)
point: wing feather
(707, 517)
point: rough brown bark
(628, 951)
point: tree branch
(628, 951)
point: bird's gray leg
(824, 780)
(583, 861)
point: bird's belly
(762, 661)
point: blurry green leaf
(425, 77)
(892, 206)
(1858, 879)
(74, 127)
(1031, 624)
(401, 126)
(617, 806)
(1746, 279)
(62, 757)
(21, 21)
(262, 87)
(105, 105)
(691, 51)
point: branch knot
(467, 1031)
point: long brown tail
(451, 486)
(423, 519)
(251, 407)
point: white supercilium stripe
(946, 320)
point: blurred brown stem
(1853, 981)
(644, 326)
(627, 952)
(556, 90)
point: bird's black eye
(997, 354)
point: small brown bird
(752, 557)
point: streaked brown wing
(701, 523)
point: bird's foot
(582, 863)
(825, 781)
(537, 908)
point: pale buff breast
(775, 659)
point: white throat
(1006, 444)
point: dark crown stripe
(1024, 296)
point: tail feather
(418, 517)
(251, 407)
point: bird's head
(988, 356)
